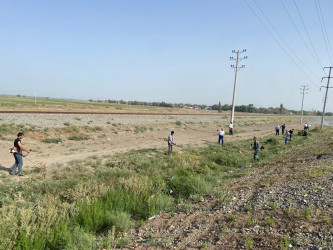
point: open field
(27, 104)
(59, 138)
(98, 178)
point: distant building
(250, 105)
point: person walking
(18, 148)
(277, 130)
(283, 127)
(231, 126)
(221, 135)
(171, 142)
(256, 148)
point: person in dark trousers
(17, 152)
(231, 127)
(221, 135)
(170, 142)
(277, 130)
(291, 131)
(256, 148)
(283, 127)
(287, 137)
(305, 126)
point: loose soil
(118, 134)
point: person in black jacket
(283, 127)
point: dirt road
(123, 133)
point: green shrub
(8, 104)
(159, 203)
(52, 140)
(232, 217)
(249, 243)
(187, 185)
(140, 129)
(121, 220)
(270, 221)
(178, 123)
(97, 128)
(273, 141)
(72, 129)
(248, 207)
(7, 128)
(81, 240)
(80, 137)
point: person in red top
(18, 148)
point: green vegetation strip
(86, 204)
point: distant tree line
(278, 110)
(219, 107)
(157, 104)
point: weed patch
(52, 140)
(79, 137)
(140, 129)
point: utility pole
(235, 82)
(305, 88)
(327, 87)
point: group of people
(287, 134)
(278, 127)
(221, 134)
(18, 148)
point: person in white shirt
(170, 142)
(306, 126)
(277, 130)
(221, 135)
(231, 126)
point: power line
(283, 40)
(307, 33)
(299, 33)
(324, 31)
(277, 41)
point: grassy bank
(89, 203)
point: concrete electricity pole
(327, 87)
(235, 82)
(305, 88)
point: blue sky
(172, 51)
